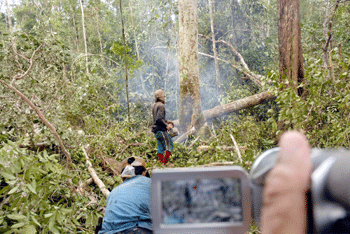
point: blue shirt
(128, 206)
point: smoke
(161, 68)
(163, 73)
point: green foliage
(37, 196)
(323, 112)
(118, 49)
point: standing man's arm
(160, 116)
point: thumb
(284, 198)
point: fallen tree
(237, 105)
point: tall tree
(290, 48)
(126, 62)
(190, 113)
(137, 49)
(218, 82)
(84, 34)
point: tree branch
(43, 119)
(245, 69)
(82, 186)
(249, 75)
(31, 62)
(94, 175)
(330, 23)
(186, 134)
(192, 144)
(237, 149)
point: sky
(3, 4)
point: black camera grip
(338, 181)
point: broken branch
(248, 73)
(254, 77)
(186, 134)
(237, 149)
(192, 144)
(82, 186)
(94, 175)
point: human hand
(284, 199)
(169, 126)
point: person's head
(159, 96)
(133, 166)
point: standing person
(161, 126)
(127, 210)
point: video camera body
(225, 199)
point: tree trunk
(84, 34)
(238, 105)
(235, 106)
(290, 48)
(326, 36)
(137, 50)
(126, 62)
(190, 113)
(166, 77)
(98, 28)
(218, 81)
(76, 41)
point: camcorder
(225, 199)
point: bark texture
(190, 114)
(238, 105)
(290, 48)
(94, 175)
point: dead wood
(192, 144)
(234, 106)
(186, 134)
(94, 175)
(237, 148)
(240, 104)
(36, 146)
(83, 185)
(83, 189)
(111, 165)
(255, 78)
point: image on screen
(201, 201)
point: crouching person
(127, 210)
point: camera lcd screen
(195, 201)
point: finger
(284, 204)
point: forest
(77, 83)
